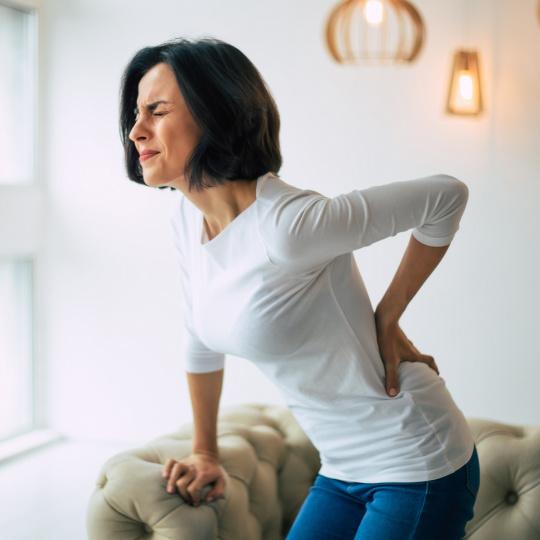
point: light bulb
(374, 12)
(466, 85)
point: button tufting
(102, 481)
(511, 497)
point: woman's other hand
(190, 475)
(394, 348)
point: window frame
(22, 220)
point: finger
(183, 483)
(177, 470)
(168, 466)
(195, 488)
(391, 379)
(218, 491)
(424, 359)
(419, 357)
(433, 365)
(430, 361)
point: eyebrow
(153, 105)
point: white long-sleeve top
(279, 286)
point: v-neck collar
(215, 240)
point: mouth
(144, 157)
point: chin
(161, 180)
(153, 182)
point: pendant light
(464, 90)
(378, 30)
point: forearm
(418, 262)
(205, 393)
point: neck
(223, 203)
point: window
(17, 44)
(22, 410)
(16, 380)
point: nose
(137, 132)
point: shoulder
(288, 219)
(280, 203)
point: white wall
(111, 314)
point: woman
(268, 274)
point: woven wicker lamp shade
(374, 30)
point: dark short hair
(229, 101)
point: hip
(465, 480)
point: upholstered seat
(270, 465)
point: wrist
(206, 453)
(385, 317)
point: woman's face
(167, 128)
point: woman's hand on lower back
(394, 348)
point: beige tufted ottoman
(271, 464)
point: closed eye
(136, 114)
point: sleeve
(309, 229)
(197, 357)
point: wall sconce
(374, 30)
(464, 91)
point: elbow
(458, 186)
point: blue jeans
(436, 509)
